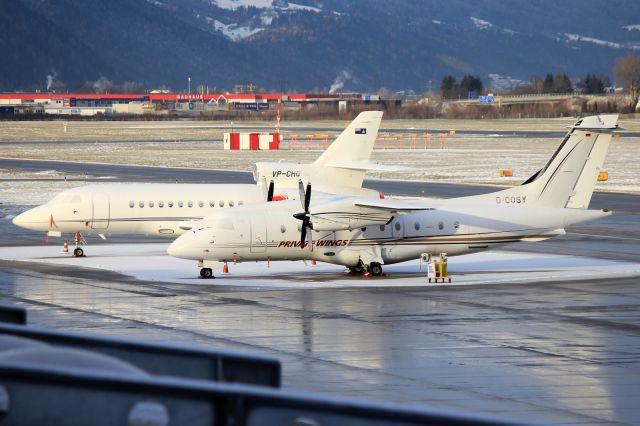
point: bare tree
(536, 84)
(627, 72)
(132, 87)
(103, 85)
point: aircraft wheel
(78, 252)
(356, 270)
(206, 273)
(375, 269)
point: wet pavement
(561, 352)
(549, 352)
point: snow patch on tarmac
(150, 263)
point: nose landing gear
(206, 273)
(78, 240)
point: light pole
(189, 84)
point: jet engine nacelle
(283, 175)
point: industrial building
(92, 104)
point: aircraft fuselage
(273, 233)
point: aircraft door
(101, 211)
(258, 234)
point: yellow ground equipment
(437, 269)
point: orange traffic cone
(235, 260)
(225, 268)
(313, 262)
(65, 247)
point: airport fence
(384, 141)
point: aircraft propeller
(268, 191)
(305, 217)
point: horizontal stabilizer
(597, 122)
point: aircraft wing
(359, 213)
(546, 235)
(366, 166)
(187, 225)
(393, 206)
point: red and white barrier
(251, 141)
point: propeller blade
(270, 193)
(307, 197)
(303, 235)
(310, 239)
(264, 188)
(302, 194)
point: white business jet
(169, 209)
(365, 233)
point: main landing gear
(206, 273)
(356, 270)
(373, 269)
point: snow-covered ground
(25, 188)
(468, 159)
(150, 263)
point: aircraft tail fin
(569, 177)
(355, 143)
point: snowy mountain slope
(311, 44)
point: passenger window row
(181, 204)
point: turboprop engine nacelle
(344, 215)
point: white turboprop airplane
(169, 209)
(365, 233)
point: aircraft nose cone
(34, 219)
(184, 248)
(19, 220)
(174, 249)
